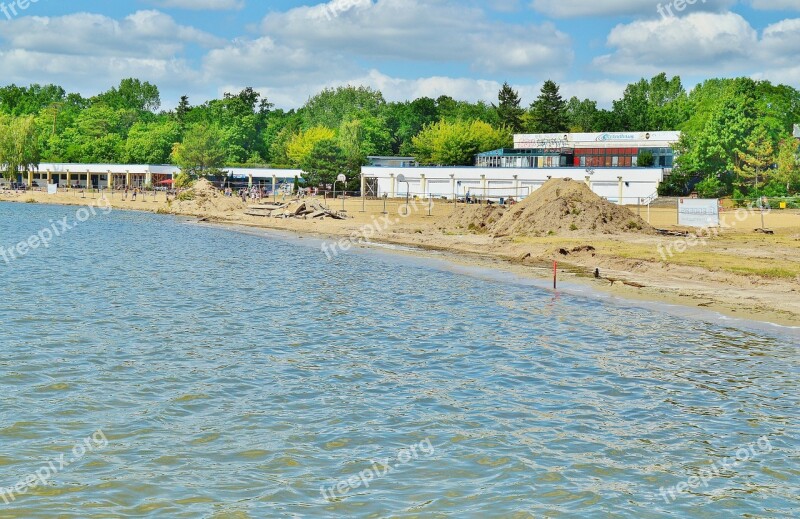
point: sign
(604, 137)
(52, 189)
(797, 130)
(698, 212)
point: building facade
(628, 186)
(583, 150)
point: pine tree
(548, 114)
(753, 164)
(508, 109)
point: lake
(153, 367)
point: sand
(738, 273)
(561, 207)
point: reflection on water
(235, 375)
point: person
(135, 191)
(125, 193)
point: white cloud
(705, 45)
(202, 5)
(587, 8)
(695, 43)
(430, 31)
(90, 52)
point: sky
(290, 50)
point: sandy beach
(738, 272)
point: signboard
(52, 189)
(797, 130)
(698, 212)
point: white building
(631, 185)
(139, 175)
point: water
(234, 375)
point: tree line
(736, 132)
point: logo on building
(604, 137)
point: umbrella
(168, 181)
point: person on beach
(135, 191)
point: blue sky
(289, 50)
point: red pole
(555, 274)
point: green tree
(509, 111)
(582, 115)
(646, 159)
(788, 161)
(301, 145)
(324, 163)
(151, 143)
(19, 146)
(331, 107)
(548, 114)
(456, 144)
(132, 94)
(202, 152)
(657, 104)
(754, 162)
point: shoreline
(743, 298)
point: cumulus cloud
(439, 31)
(694, 43)
(89, 51)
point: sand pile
(203, 199)
(560, 206)
(478, 218)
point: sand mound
(203, 199)
(479, 218)
(560, 206)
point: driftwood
(310, 209)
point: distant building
(380, 161)
(583, 150)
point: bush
(710, 187)
(185, 196)
(183, 179)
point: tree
(456, 144)
(582, 115)
(331, 107)
(201, 153)
(151, 143)
(788, 162)
(508, 108)
(19, 146)
(548, 114)
(182, 111)
(658, 104)
(755, 160)
(302, 144)
(324, 163)
(646, 159)
(132, 94)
